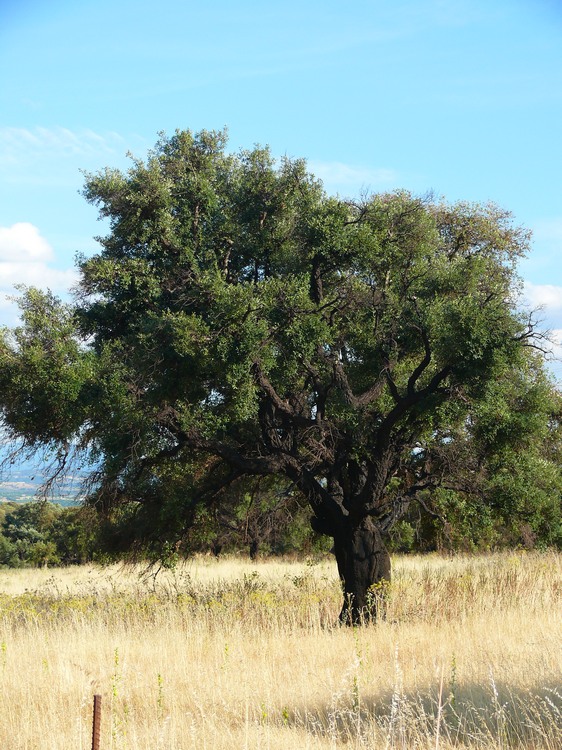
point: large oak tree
(239, 321)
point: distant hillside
(21, 483)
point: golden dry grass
(234, 654)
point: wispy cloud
(53, 157)
(18, 142)
(17, 486)
(453, 13)
(556, 336)
(348, 178)
(546, 301)
(555, 356)
(549, 230)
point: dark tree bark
(364, 568)
(254, 549)
(216, 548)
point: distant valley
(22, 483)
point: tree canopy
(238, 321)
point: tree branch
(281, 405)
(414, 377)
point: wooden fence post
(96, 723)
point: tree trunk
(364, 569)
(216, 548)
(254, 549)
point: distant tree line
(38, 534)
(263, 518)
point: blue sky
(462, 97)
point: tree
(43, 533)
(26, 530)
(240, 322)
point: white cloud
(36, 274)
(22, 243)
(26, 258)
(547, 297)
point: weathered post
(96, 723)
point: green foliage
(240, 323)
(42, 533)
(402, 537)
(43, 371)
(501, 483)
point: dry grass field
(233, 654)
